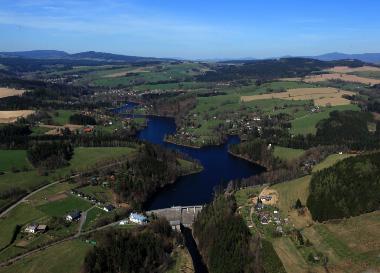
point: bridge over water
(178, 215)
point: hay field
(321, 96)
(9, 92)
(346, 69)
(342, 77)
(12, 116)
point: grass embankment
(67, 257)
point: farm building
(73, 216)
(32, 228)
(123, 222)
(41, 228)
(108, 208)
(138, 218)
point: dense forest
(226, 243)
(81, 119)
(144, 250)
(151, 169)
(349, 188)
(50, 155)
(347, 127)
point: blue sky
(192, 28)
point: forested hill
(271, 69)
(349, 188)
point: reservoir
(195, 189)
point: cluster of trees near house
(151, 169)
(226, 244)
(50, 155)
(143, 250)
(81, 119)
(349, 188)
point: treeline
(18, 136)
(50, 155)
(81, 119)
(151, 169)
(226, 243)
(145, 250)
(290, 170)
(349, 188)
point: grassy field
(307, 124)
(290, 191)
(15, 159)
(329, 161)
(61, 117)
(21, 215)
(61, 207)
(287, 154)
(82, 159)
(100, 193)
(67, 257)
(92, 216)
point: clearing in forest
(321, 96)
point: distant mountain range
(102, 56)
(88, 55)
(335, 56)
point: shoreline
(249, 160)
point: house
(73, 216)
(264, 220)
(108, 208)
(32, 228)
(138, 218)
(259, 206)
(123, 222)
(265, 198)
(41, 228)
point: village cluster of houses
(270, 215)
(93, 200)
